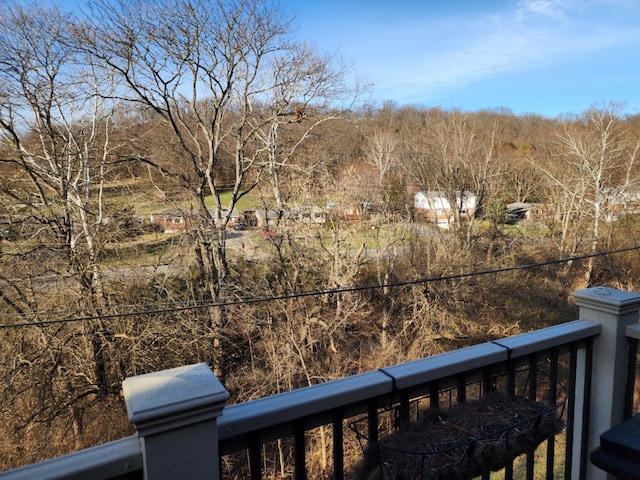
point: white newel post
(175, 412)
(614, 310)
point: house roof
(176, 212)
(262, 213)
(444, 194)
(522, 206)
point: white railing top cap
(169, 392)
(607, 299)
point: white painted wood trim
(102, 462)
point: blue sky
(549, 57)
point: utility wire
(77, 311)
(313, 293)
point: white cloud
(537, 34)
(547, 8)
(432, 51)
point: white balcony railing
(185, 429)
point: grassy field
(247, 202)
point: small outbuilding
(517, 211)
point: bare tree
(452, 154)
(304, 90)
(596, 161)
(381, 152)
(199, 66)
(55, 125)
(522, 183)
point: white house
(309, 214)
(435, 206)
(620, 201)
(262, 217)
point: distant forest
(138, 107)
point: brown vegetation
(461, 442)
(83, 162)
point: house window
(177, 220)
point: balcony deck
(236, 441)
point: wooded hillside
(148, 106)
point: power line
(313, 293)
(76, 311)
